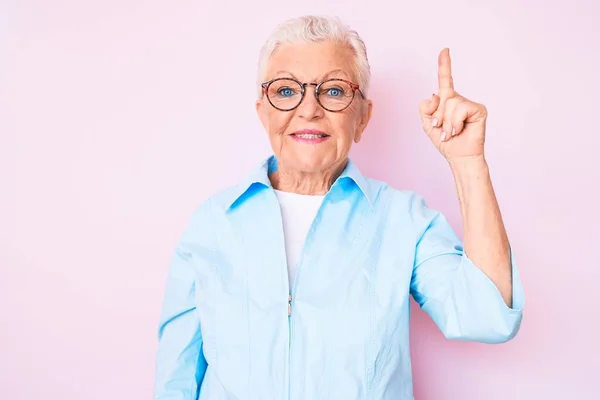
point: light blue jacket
(230, 329)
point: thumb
(429, 106)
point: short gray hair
(315, 29)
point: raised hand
(454, 124)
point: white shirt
(297, 212)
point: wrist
(469, 166)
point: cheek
(278, 123)
(346, 125)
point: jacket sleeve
(460, 298)
(180, 365)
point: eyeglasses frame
(355, 87)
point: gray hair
(315, 29)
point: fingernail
(434, 122)
(453, 131)
(443, 136)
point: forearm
(485, 239)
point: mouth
(309, 134)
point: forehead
(311, 61)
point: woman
(295, 283)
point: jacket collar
(259, 179)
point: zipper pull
(289, 305)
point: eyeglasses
(335, 95)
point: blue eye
(286, 92)
(334, 92)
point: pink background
(118, 117)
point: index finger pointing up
(445, 81)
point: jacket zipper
(289, 346)
(293, 290)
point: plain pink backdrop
(118, 117)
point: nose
(309, 108)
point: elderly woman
(295, 283)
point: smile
(309, 135)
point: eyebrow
(323, 77)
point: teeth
(309, 136)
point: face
(309, 63)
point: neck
(300, 182)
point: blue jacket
(232, 328)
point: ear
(261, 112)
(366, 110)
